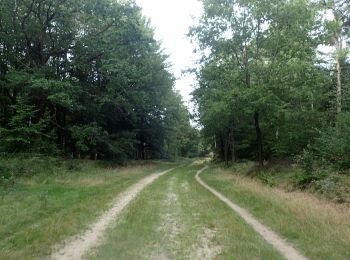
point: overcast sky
(171, 20)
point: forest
(274, 80)
(87, 79)
(102, 157)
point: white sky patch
(171, 20)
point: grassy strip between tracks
(176, 218)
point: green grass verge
(59, 199)
(318, 227)
(326, 183)
(176, 218)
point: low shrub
(266, 178)
(73, 165)
(7, 180)
(303, 180)
(332, 147)
(331, 188)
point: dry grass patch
(317, 226)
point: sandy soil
(77, 246)
(280, 244)
(206, 250)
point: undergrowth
(304, 176)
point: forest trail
(176, 218)
(183, 228)
(281, 245)
(77, 246)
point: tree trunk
(339, 86)
(221, 148)
(232, 139)
(259, 139)
(64, 133)
(338, 41)
(226, 150)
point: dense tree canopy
(86, 78)
(263, 89)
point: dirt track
(287, 250)
(76, 247)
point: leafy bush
(73, 165)
(7, 180)
(24, 135)
(24, 166)
(306, 160)
(267, 179)
(5, 172)
(331, 188)
(304, 179)
(333, 145)
(308, 175)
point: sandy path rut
(281, 245)
(76, 247)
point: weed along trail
(77, 246)
(287, 250)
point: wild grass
(318, 227)
(51, 199)
(176, 218)
(325, 182)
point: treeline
(87, 79)
(265, 90)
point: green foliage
(261, 65)
(73, 165)
(24, 135)
(333, 145)
(266, 178)
(332, 188)
(264, 92)
(86, 79)
(7, 180)
(89, 137)
(307, 161)
(304, 180)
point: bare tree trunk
(338, 41)
(259, 139)
(339, 86)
